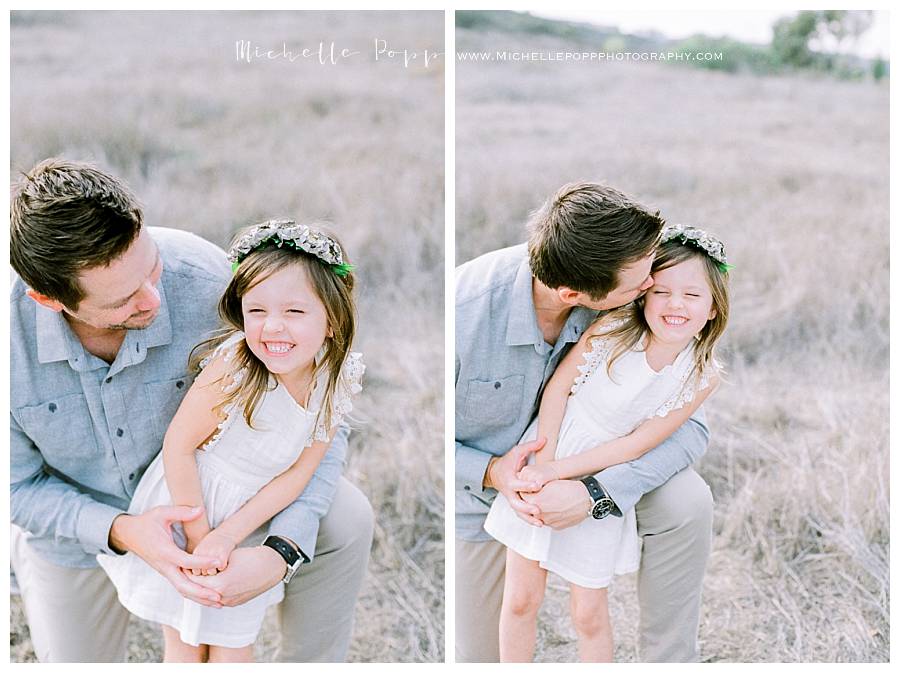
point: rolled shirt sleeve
(627, 482)
(299, 522)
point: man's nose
(647, 283)
(149, 298)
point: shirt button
(179, 384)
(52, 407)
(108, 379)
(119, 432)
(131, 477)
(496, 384)
(467, 488)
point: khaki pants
(74, 616)
(675, 522)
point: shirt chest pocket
(495, 403)
(163, 400)
(63, 431)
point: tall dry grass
(211, 144)
(792, 173)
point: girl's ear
(712, 313)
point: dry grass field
(792, 173)
(210, 144)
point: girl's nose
(675, 300)
(273, 324)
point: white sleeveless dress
(600, 408)
(233, 466)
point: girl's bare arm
(633, 445)
(274, 496)
(194, 422)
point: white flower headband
(287, 233)
(697, 238)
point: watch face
(602, 508)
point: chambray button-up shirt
(83, 431)
(502, 366)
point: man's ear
(44, 300)
(568, 295)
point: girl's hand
(539, 473)
(194, 532)
(215, 545)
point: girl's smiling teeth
(278, 347)
(674, 320)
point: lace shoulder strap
(348, 385)
(228, 347)
(691, 384)
(232, 379)
(598, 354)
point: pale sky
(747, 26)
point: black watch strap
(290, 555)
(595, 490)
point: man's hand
(502, 474)
(250, 572)
(561, 503)
(149, 535)
(215, 545)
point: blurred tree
(792, 36)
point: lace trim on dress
(690, 386)
(597, 355)
(349, 384)
(229, 347)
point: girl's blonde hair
(333, 290)
(631, 325)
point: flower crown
(287, 233)
(697, 238)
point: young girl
(252, 429)
(635, 376)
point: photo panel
(212, 122)
(768, 132)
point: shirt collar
(577, 322)
(522, 327)
(160, 331)
(56, 341)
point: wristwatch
(601, 504)
(291, 556)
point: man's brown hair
(585, 233)
(64, 217)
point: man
(104, 313)
(518, 311)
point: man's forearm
(471, 468)
(299, 522)
(48, 507)
(627, 482)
